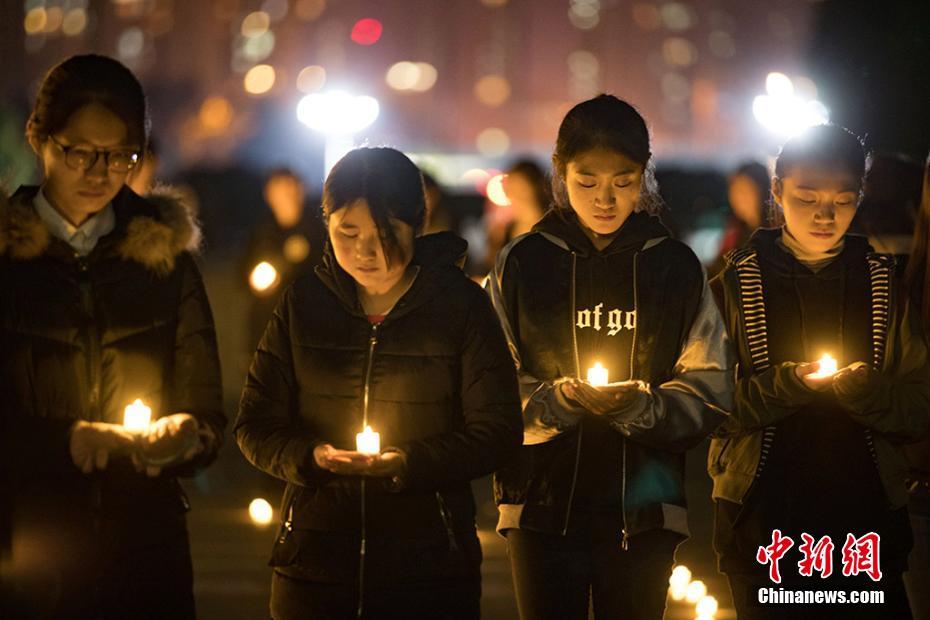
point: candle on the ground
(597, 375)
(137, 417)
(368, 442)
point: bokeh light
(492, 90)
(35, 20)
(707, 607)
(258, 48)
(677, 16)
(260, 511)
(366, 31)
(276, 9)
(721, 44)
(494, 3)
(337, 112)
(478, 179)
(402, 75)
(311, 79)
(263, 277)
(255, 24)
(259, 79)
(74, 23)
(411, 76)
(696, 591)
(678, 583)
(309, 10)
(55, 16)
(679, 52)
(495, 191)
(215, 114)
(130, 43)
(492, 142)
(585, 14)
(646, 16)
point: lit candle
(137, 416)
(263, 277)
(827, 367)
(368, 442)
(597, 375)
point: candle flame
(137, 416)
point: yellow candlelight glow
(137, 416)
(678, 583)
(827, 367)
(260, 511)
(368, 442)
(263, 277)
(597, 375)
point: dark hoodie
(440, 387)
(565, 305)
(821, 474)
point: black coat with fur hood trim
(81, 338)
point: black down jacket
(440, 386)
(81, 338)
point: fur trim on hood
(153, 240)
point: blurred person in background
(388, 334)
(890, 202)
(593, 507)
(748, 191)
(286, 244)
(917, 280)
(103, 305)
(439, 217)
(527, 190)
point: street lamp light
(783, 112)
(338, 116)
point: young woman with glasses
(102, 306)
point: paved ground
(231, 553)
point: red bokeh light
(366, 31)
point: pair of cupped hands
(852, 380)
(354, 463)
(170, 440)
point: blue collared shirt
(82, 238)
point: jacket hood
(437, 255)
(765, 242)
(151, 231)
(638, 229)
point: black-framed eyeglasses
(80, 158)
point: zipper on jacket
(288, 526)
(372, 341)
(91, 338)
(447, 521)
(625, 542)
(571, 493)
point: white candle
(597, 375)
(827, 367)
(368, 442)
(137, 416)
